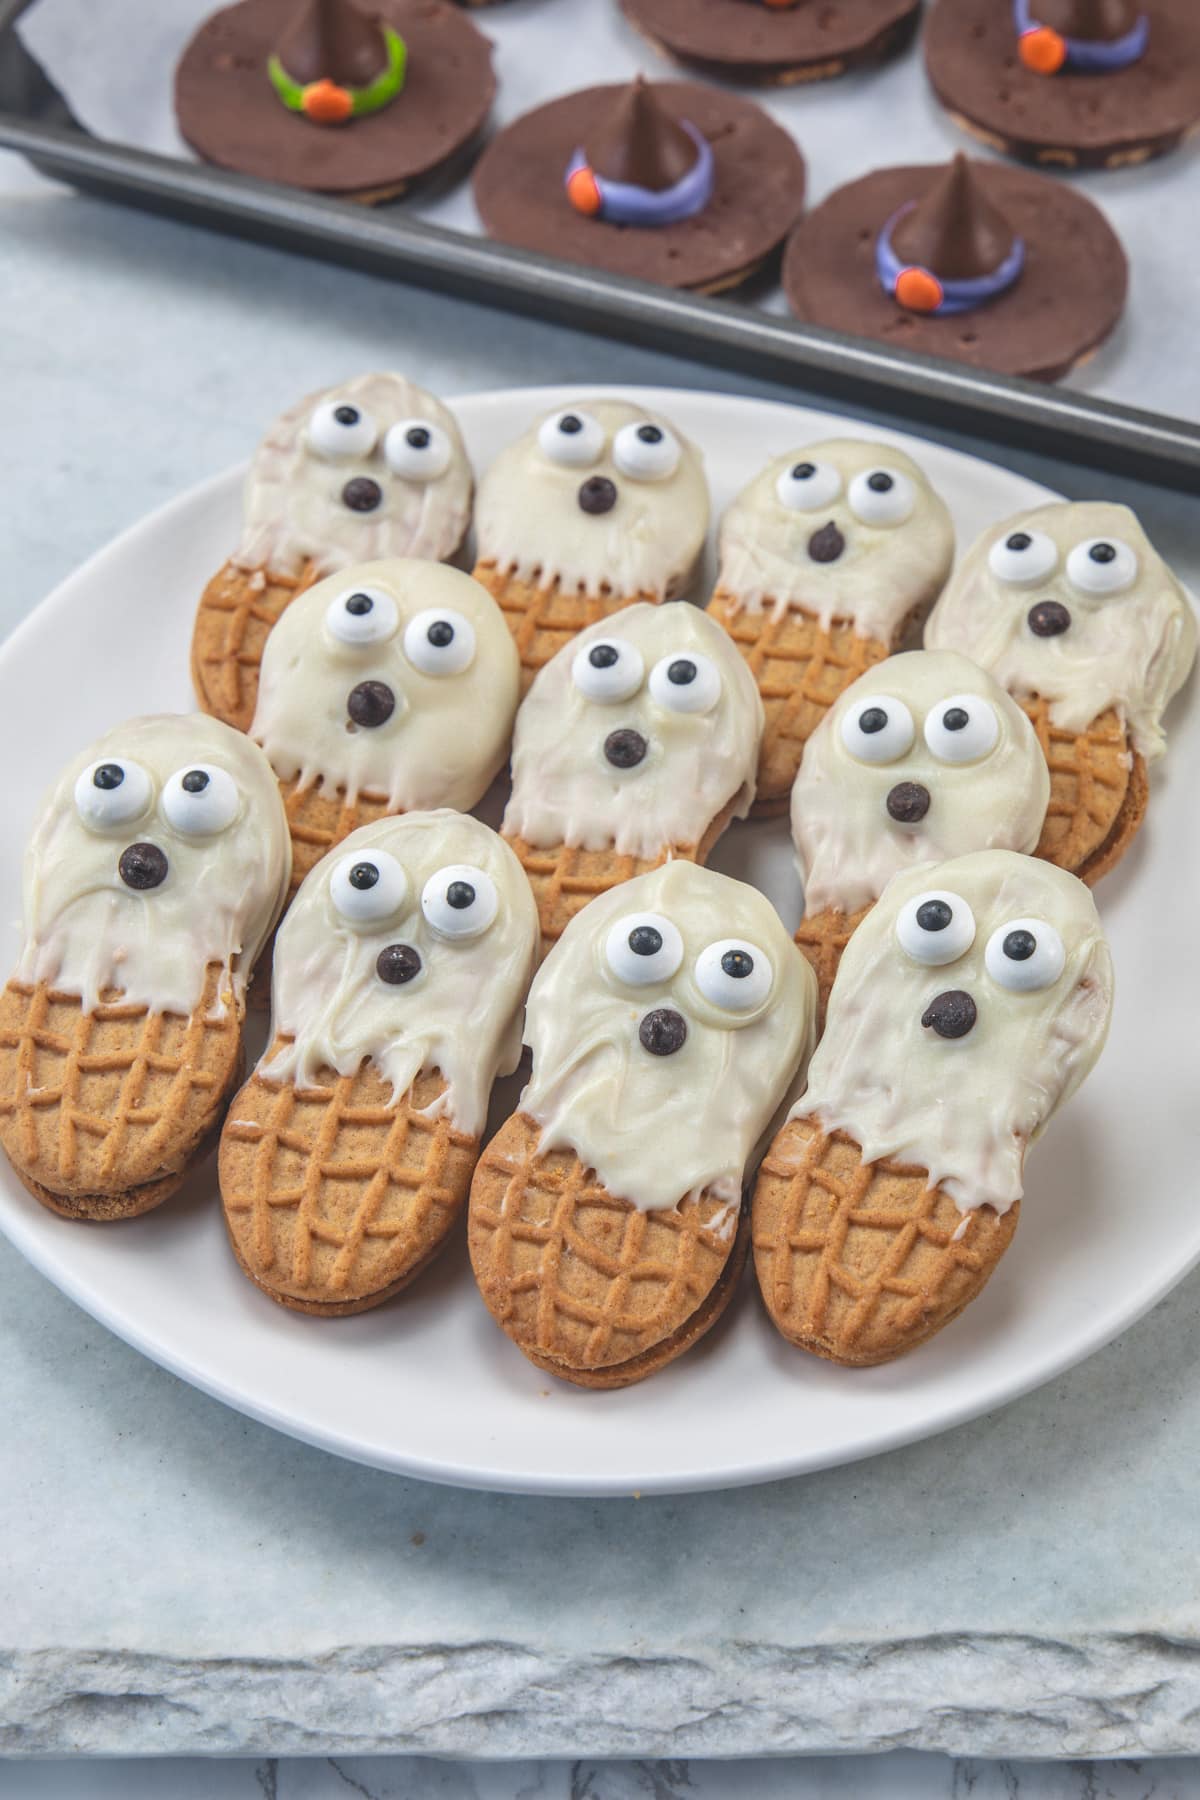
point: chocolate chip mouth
(625, 748)
(597, 494)
(827, 544)
(1049, 618)
(663, 1031)
(361, 494)
(143, 866)
(908, 802)
(951, 1014)
(371, 704)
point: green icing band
(369, 99)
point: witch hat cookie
(1071, 608)
(925, 757)
(970, 1004)
(340, 96)
(398, 981)
(152, 881)
(596, 506)
(1068, 83)
(827, 559)
(990, 266)
(387, 688)
(666, 1025)
(636, 744)
(775, 42)
(374, 467)
(666, 181)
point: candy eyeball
(201, 800)
(608, 671)
(807, 486)
(571, 438)
(935, 928)
(362, 616)
(734, 975)
(1102, 566)
(460, 901)
(646, 452)
(1023, 558)
(963, 729)
(338, 429)
(417, 450)
(368, 888)
(112, 792)
(643, 948)
(882, 497)
(878, 729)
(1025, 955)
(687, 682)
(439, 641)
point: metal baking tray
(36, 120)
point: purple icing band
(621, 203)
(957, 296)
(1090, 56)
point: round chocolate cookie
(1076, 118)
(775, 44)
(757, 196)
(231, 115)
(1068, 298)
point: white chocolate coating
(86, 931)
(884, 572)
(461, 1015)
(565, 791)
(448, 735)
(1129, 650)
(293, 510)
(528, 520)
(657, 1128)
(965, 1108)
(847, 845)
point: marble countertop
(175, 1579)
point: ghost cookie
(923, 758)
(636, 743)
(827, 558)
(606, 1224)
(1071, 608)
(597, 506)
(970, 1004)
(152, 881)
(375, 467)
(400, 972)
(387, 688)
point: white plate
(427, 1385)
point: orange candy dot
(327, 104)
(1042, 50)
(919, 291)
(583, 192)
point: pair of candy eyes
(879, 729)
(437, 640)
(458, 902)
(876, 496)
(614, 669)
(644, 948)
(1024, 955)
(199, 800)
(415, 449)
(1096, 566)
(642, 451)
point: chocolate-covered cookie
(672, 182)
(328, 96)
(1069, 83)
(775, 41)
(989, 265)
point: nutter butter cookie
(776, 42)
(1069, 83)
(372, 468)
(970, 1004)
(992, 266)
(1072, 609)
(827, 558)
(597, 505)
(343, 98)
(606, 1223)
(668, 181)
